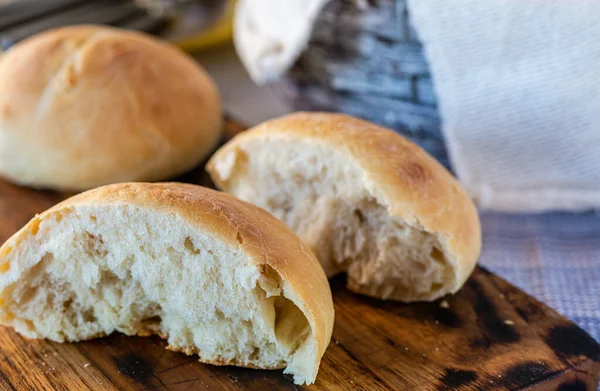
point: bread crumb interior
(318, 193)
(91, 271)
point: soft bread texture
(365, 199)
(86, 106)
(213, 275)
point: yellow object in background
(218, 33)
(193, 25)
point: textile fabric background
(519, 95)
(554, 257)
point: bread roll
(365, 199)
(213, 275)
(86, 106)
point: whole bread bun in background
(85, 106)
(213, 275)
(368, 202)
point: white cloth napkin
(518, 85)
(270, 34)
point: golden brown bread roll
(213, 275)
(86, 106)
(367, 201)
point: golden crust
(263, 238)
(85, 106)
(404, 178)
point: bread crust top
(85, 106)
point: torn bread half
(213, 275)
(365, 199)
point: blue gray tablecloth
(555, 257)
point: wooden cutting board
(489, 336)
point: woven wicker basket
(364, 59)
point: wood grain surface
(489, 336)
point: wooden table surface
(489, 336)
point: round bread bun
(85, 106)
(365, 199)
(213, 275)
